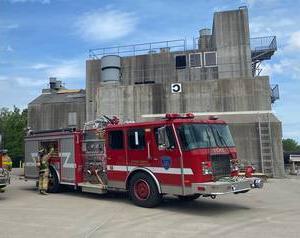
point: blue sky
(43, 38)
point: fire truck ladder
(266, 152)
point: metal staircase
(266, 152)
(262, 48)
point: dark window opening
(136, 139)
(180, 62)
(210, 58)
(116, 140)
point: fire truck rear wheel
(53, 184)
(143, 191)
(188, 197)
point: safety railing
(263, 43)
(139, 49)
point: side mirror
(163, 140)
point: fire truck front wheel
(143, 190)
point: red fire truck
(177, 155)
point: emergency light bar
(170, 116)
(211, 114)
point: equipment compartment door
(68, 164)
(31, 155)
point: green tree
(290, 145)
(12, 125)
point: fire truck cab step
(93, 188)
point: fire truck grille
(221, 165)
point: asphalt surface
(271, 212)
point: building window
(180, 61)
(210, 59)
(72, 118)
(116, 140)
(196, 60)
(136, 139)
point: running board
(93, 188)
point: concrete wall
(93, 72)
(130, 102)
(246, 138)
(231, 39)
(44, 116)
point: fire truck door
(116, 159)
(139, 148)
(31, 155)
(166, 157)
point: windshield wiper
(223, 142)
(221, 138)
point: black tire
(143, 191)
(53, 184)
(188, 197)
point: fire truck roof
(166, 121)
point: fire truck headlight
(206, 168)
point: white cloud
(8, 26)
(9, 49)
(294, 42)
(39, 66)
(252, 3)
(271, 25)
(105, 24)
(70, 69)
(288, 67)
(28, 82)
(22, 81)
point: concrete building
(220, 73)
(57, 108)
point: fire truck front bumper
(227, 185)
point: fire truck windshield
(196, 136)
(222, 135)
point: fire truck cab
(178, 155)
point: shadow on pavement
(201, 206)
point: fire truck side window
(170, 136)
(136, 139)
(48, 145)
(116, 140)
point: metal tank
(110, 68)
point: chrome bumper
(238, 185)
